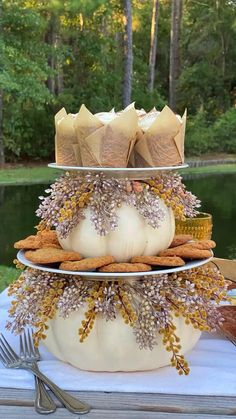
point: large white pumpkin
(111, 346)
(132, 237)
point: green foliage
(198, 136)
(208, 42)
(7, 276)
(25, 71)
(224, 132)
(203, 136)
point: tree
(2, 154)
(51, 40)
(23, 77)
(208, 73)
(153, 45)
(176, 16)
(128, 53)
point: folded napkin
(212, 363)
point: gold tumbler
(200, 227)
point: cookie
(186, 252)
(31, 242)
(180, 239)
(45, 238)
(49, 236)
(159, 260)
(52, 245)
(87, 264)
(51, 255)
(203, 244)
(126, 267)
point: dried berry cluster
(170, 188)
(64, 207)
(150, 305)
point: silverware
(228, 336)
(28, 353)
(11, 360)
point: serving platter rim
(102, 276)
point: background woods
(108, 53)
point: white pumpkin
(111, 346)
(132, 237)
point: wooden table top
(19, 404)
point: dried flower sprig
(37, 294)
(149, 305)
(170, 188)
(64, 207)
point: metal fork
(11, 360)
(29, 353)
(228, 336)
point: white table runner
(212, 370)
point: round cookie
(180, 239)
(31, 242)
(159, 260)
(87, 264)
(203, 244)
(187, 252)
(126, 267)
(51, 255)
(45, 238)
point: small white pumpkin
(132, 237)
(111, 346)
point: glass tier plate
(101, 276)
(120, 172)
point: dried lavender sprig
(173, 181)
(154, 299)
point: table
(18, 404)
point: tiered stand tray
(100, 276)
(19, 403)
(126, 173)
(136, 173)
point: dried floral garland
(63, 208)
(148, 305)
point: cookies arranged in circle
(44, 248)
(159, 260)
(51, 255)
(87, 264)
(126, 267)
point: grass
(219, 168)
(42, 174)
(28, 175)
(7, 275)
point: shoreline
(41, 174)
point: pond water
(217, 193)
